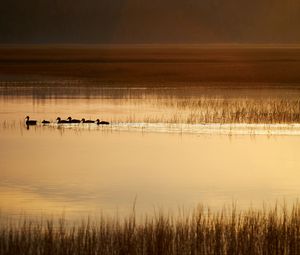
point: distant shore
(154, 65)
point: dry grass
(268, 231)
(237, 110)
(207, 110)
(194, 106)
(201, 110)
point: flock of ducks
(69, 120)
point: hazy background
(150, 21)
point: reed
(207, 110)
(232, 110)
(266, 231)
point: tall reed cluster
(235, 110)
(208, 110)
(268, 231)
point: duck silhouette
(98, 122)
(87, 121)
(45, 122)
(73, 120)
(30, 122)
(60, 121)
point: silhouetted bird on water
(45, 122)
(73, 120)
(30, 122)
(98, 122)
(60, 121)
(87, 121)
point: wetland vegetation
(268, 231)
(222, 110)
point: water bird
(30, 122)
(87, 121)
(45, 122)
(98, 122)
(73, 120)
(60, 121)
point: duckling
(45, 122)
(60, 121)
(87, 121)
(73, 120)
(98, 122)
(30, 122)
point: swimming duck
(60, 121)
(73, 120)
(45, 122)
(98, 122)
(87, 121)
(30, 122)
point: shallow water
(86, 169)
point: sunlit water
(88, 169)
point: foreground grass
(272, 231)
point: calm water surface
(87, 170)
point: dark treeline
(145, 21)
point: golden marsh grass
(207, 110)
(176, 110)
(238, 110)
(267, 231)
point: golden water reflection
(97, 171)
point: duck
(45, 122)
(30, 122)
(87, 121)
(60, 121)
(98, 122)
(73, 120)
